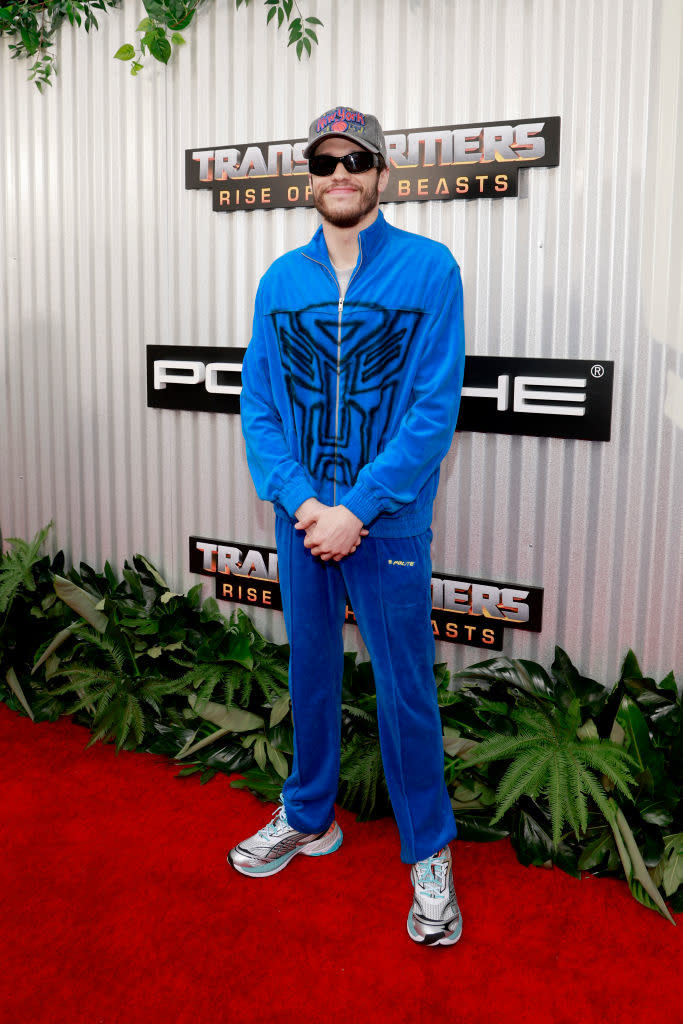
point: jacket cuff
(362, 503)
(295, 494)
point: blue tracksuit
(354, 401)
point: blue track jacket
(354, 401)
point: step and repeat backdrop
(540, 142)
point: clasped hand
(332, 531)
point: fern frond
(496, 748)
(137, 718)
(101, 733)
(526, 774)
(103, 698)
(610, 760)
(555, 791)
(361, 774)
(576, 807)
(534, 722)
(16, 566)
(82, 676)
(104, 725)
(592, 786)
(124, 723)
(112, 650)
(355, 712)
(159, 687)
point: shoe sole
(440, 938)
(320, 848)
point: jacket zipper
(340, 309)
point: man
(350, 394)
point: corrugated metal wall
(103, 251)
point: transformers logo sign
(471, 161)
(467, 611)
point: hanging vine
(33, 27)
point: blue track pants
(388, 583)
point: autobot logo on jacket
(343, 397)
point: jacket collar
(370, 240)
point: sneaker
(274, 845)
(434, 917)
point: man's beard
(366, 200)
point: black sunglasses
(357, 162)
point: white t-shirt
(343, 276)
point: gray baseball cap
(347, 123)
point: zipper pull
(341, 303)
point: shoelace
(276, 824)
(432, 874)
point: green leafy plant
(111, 684)
(161, 29)
(29, 612)
(606, 760)
(552, 756)
(35, 25)
(577, 774)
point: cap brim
(339, 135)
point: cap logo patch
(339, 120)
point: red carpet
(118, 908)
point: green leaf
(83, 603)
(160, 48)
(15, 687)
(588, 731)
(669, 683)
(260, 752)
(177, 39)
(279, 710)
(192, 748)
(313, 21)
(239, 651)
(596, 851)
(637, 876)
(30, 38)
(474, 828)
(649, 762)
(456, 745)
(656, 813)
(263, 783)
(156, 9)
(210, 610)
(671, 865)
(145, 24)
(59, 639)
(631, 669)
(125, 52)
(278, 761)
(154, 572)
(183, 22)
(532, 842)
(235, 720)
